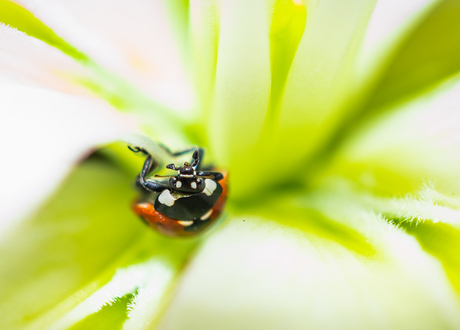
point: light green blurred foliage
(110, 317)
(20, 18)
(281, 105)
(428, 56)
(75, 243)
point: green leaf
(312, 53)
(424, 55)
(50, 126)
(204, 38)
(432, 218)
(20, 18)
(401, 152)
(442, 241)
(242, 86)
(110, 317)
(179, 15)
(287, 28)
(122, 94)
(56, 264)
(260, 274)
(427, 56)
(74, 238)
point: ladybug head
(188, 169)
(186, 180)
(185, 171)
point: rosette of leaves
(339, 125)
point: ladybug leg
(147, 185)
(176, 154)
(196, 158)
(197, 155)
(216, 176)
(149, 165)
(138, 149)
(172, 154)
(150, 185)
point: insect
(187, 202)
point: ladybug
(185, 204)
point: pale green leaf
(78, 236)
(108, 71)
(401, 152)
(257, 274)
(442, 241)
(32, 62)
(22, 19)
(204, 38)
(85, 249)
(427, 56)
(242, 86)
(390, 23)
(313, 51)
(109, 317)
(420, 55)
(431, 217)
(44, 134)
(144, 283)
(134, 42)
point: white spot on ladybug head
(185, 223)
(166, 198)
(193, 185)
(210, 186)
(178, 184)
